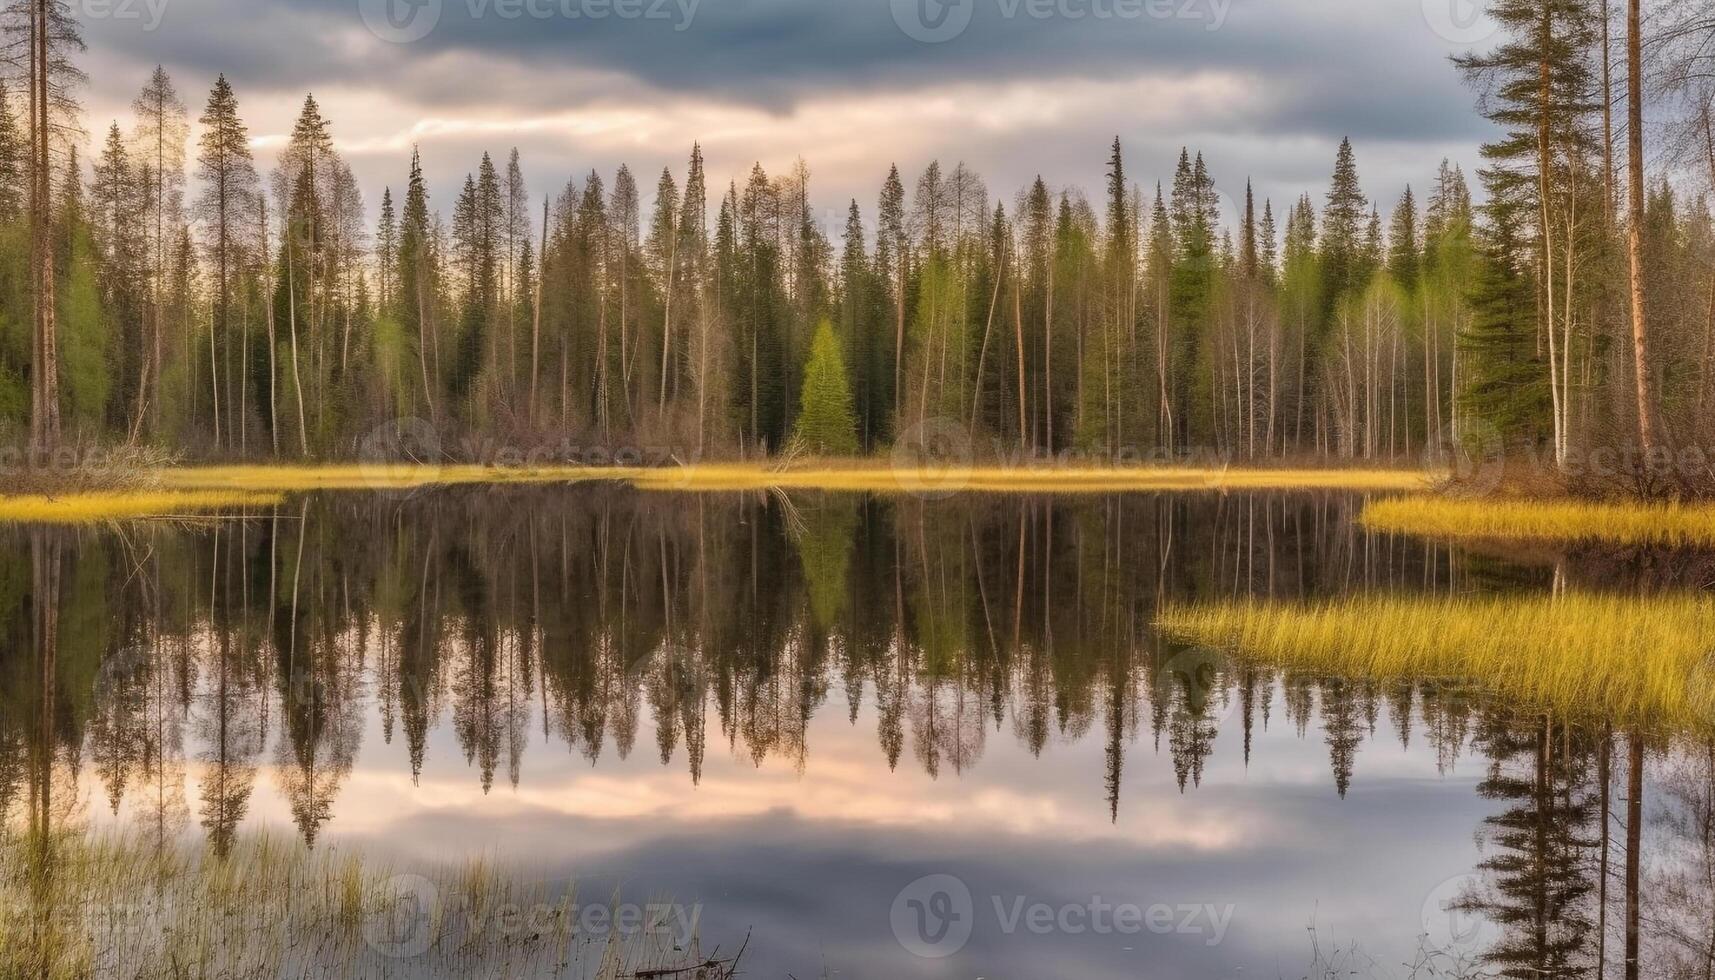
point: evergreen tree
(418, 283)
(892, 276)
(1504, 386)
(229, 179)
(1342, 230)
(13, 162)
(826, 421)
(387, 253)
(1404, 252)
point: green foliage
(1505, 385)
(826, 421)
(86, 357)
(825, 550)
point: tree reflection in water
(598, 617)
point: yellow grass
(358, 476)
(864, 476)
(1633, 660)
(98, 506)
(75, 905)
(1546, 520)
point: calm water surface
(791, 711)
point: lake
(857, 736)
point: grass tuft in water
(1635, 661)
(94, 507)
(1634, 523)
(111, 905)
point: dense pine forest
(158, 290)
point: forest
(163, 292)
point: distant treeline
(233, 315)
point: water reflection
(909, 671)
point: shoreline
(202, 489)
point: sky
(1265, 89)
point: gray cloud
(1310, 71)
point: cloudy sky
(1264, 88)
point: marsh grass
(94, 507)
(88, 469)
(835, 475)
(1635, 661)
(1620, 523)
(214, 488)
(361, 476)
(109, 905)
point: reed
(1641, 662)
(113, 505)
(1635, 523)
(112, 905)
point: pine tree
(1269, 258)
(861, 328)
(662, 250)
(1343, 229)
(13, 165)
(826, 422)
(1404, 251)
(1160, 262)
(693, 259)
(418, 283)
(229, 179)
(50, 30)
(892, 274)
(387, 253)
(160, 139)
(1504, 385)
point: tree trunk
(292, 324)
(1635, 223)
(1634, 844)
(273, 341)
(44, 368)
(536, 325)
